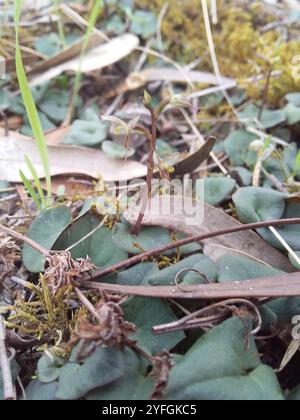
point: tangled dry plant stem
(194, 319)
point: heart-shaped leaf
(143, 23)
(237, 148)
(49, 367)
(293, 98)
(39, 391)
(134, 385)
(149, 238)
(201, 263)
(103, 367)
(254, 204)
(116, 151)
(216, 189)
(55, 105)
(268, 119)
(86, 133)
(238, 268)
(218, 367)
(146, 313)
(292, 114)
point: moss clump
(244, 50)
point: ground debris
(110, 330)
(64, 271)
(9, 255)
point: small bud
(179, 101)
(147, 98)
(257, 146)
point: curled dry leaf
(9, 255)
(64, 271)
(161, 371)
(192, 162)
(193, 217)
(111, 328)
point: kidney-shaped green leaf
(254, 204)
(104, 366)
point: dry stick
(23, 238)
(198, 238)
(8, 387)
(286, 285)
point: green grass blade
(30, 190)
(60, 26)
(30, 104)
(36, 181)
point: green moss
(244, 51)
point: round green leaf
(268, 119)
(49, 44)
(293, 98)
(238, 268)
(290, 233)
(38, 391)
(134, 385)
(103, 367)
(237, 148)
(55, 105)
(292, 114)
(49, 367)
(116, 151)
(202, 263)
(145, 313)
(216, 190)
(149, 237)
(218, 367)
(144, 23)
(86, 133)
(254, 204)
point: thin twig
(198, 238)
(8, 387)
(25, 239)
